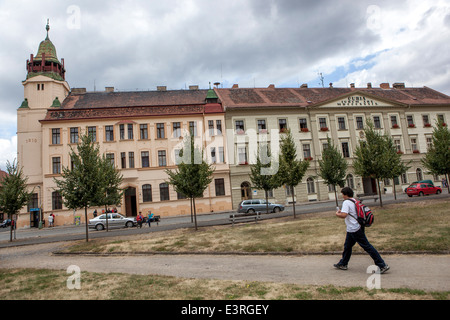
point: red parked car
(420, 189)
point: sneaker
(340, 266)
(384, 269)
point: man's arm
(341, 214)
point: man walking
(355, 234)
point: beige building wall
(342, 128)
(140, 175)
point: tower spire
(47, 28)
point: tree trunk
(379, 192)
(335, 196)
(267, 201)
(395, 193)
(293, 200)
(13, 225)
(448, 184)
(87, 222)
(192, 214)
(107, 225)
(195, 214)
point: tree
(395, 166)
(333, 167)
(13, 194)
(371, 158)
(291, 170)
(111, 179)
(193, 174)
(262, 177)
(81, 186)
(437, 159)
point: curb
(232, 253)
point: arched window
(310, 185)
(164, 192)
(419, 174)
(147, 193)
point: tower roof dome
(48, 48)
(46, 61)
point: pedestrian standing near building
(50, 220)
(355, 234)
(140, 219)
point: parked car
(420, 189)
(115, 220)
(5, 223)
(258, 205)
(421, 181)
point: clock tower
(44, 87)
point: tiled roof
(103, 105)
(301, 97)
(91, 100)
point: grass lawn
(420, 226)
(417, 226)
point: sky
(139, 45)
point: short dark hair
(347, 191)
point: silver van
(258, 205)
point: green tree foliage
(374, 156)
(333, 167)
(13, 193)
(395, 166)
(262, 175)
(82, 186)
(437, 159)
(111, 179)
(291, 170)
(193, 174)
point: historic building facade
(312, 115)
(142, 133)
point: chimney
(78, 90)
(352, 85)
(331, 85)
(235, 86)
(399, 85)
(272, 86)
(193, 87)
(384, 86)
(369, 85)
(161, 88)
(305, 85)
(109, 89)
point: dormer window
(40, 87)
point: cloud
(9, 151)
(138, 45)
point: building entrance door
(370, 186)
(130, 202)
(246, 191)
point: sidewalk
(421, 272)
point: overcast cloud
(138, 45)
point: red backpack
(364, 214)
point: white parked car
(115, 220)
